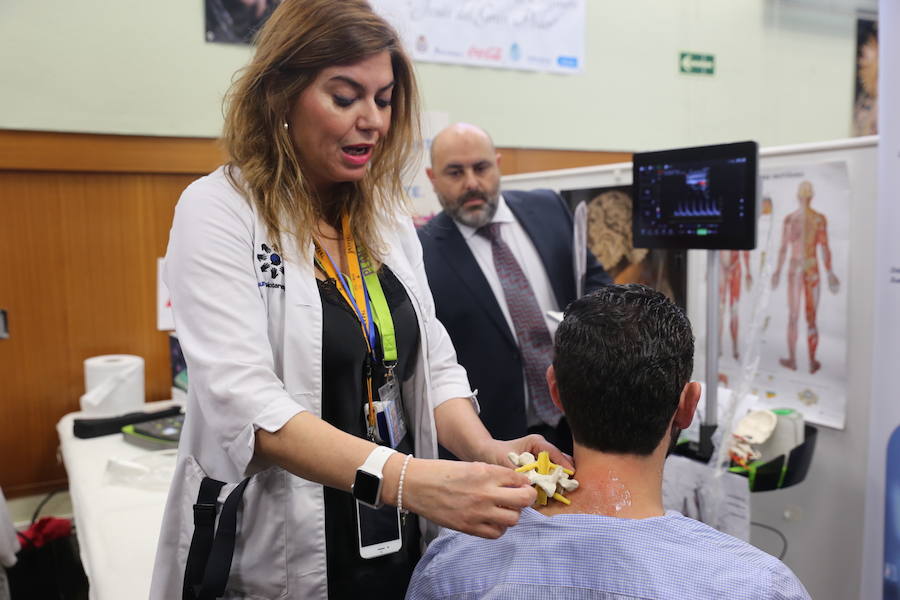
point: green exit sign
(699, 64)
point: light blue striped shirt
(582, 556)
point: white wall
(784, 74)
(129, 66)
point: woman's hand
(497, 451)
(462, 432)
(475, 498)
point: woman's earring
(285, 125)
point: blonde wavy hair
(299, 40)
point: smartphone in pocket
(379, 530)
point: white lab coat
(253, 347)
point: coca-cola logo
(494, 53)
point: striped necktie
(535, 344)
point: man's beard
(472, 218)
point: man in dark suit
(496, 265)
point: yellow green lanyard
(364, 294)
(380, 312)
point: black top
(344, 394)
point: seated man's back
(623, 356)
(597, 557)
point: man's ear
(687, 405)
(497, 157)
(554, 389)
(430, 172)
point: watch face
(366, 487)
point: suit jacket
(471, 314)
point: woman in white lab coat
(263, 265)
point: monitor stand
(703, 450)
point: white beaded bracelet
(400, 486)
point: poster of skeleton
(783, 306)
(609, 238)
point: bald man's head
(451, 135)
(465, 173)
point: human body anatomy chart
(802, 258)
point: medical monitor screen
(701, 197)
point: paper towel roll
(114, 385)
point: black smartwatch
(367, 485)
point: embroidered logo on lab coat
(271, 265)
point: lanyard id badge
(389, 395)
(363, 292)
(391, 425)
(355, 294)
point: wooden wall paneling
(114, 245)
(158, 198)
(77, 152)
(103, 270)
(86, 245)
(34, 360)
(530, 160)
(509, 161)
(84, 152)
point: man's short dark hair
(623, 354)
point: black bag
(52, 571)
(209, 558)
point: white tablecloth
(117, 524)
(9, 543)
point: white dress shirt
(529, 260)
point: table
(117, 524)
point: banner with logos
(881, 547)
(532, 35)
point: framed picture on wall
(865, 104)
(236, 21)
(610, 239)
